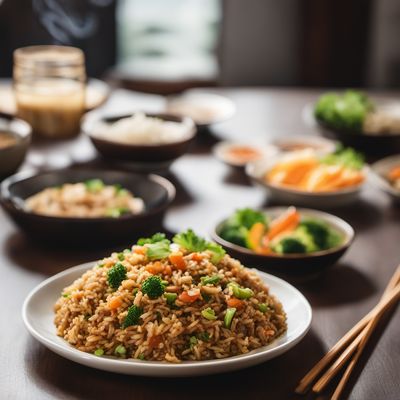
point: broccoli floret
(290, 245)
(323, 236)
(116, 275)
(347, 157)
(133, 316)
(153, 287)
(236, 235)
(246, 217)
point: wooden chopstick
(361, 340)
(309, 378)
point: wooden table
(207, 191)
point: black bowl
(379, 144)
(156, 192)
(138, 153)
(296, 267)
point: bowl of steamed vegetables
(293, 242)
(311, 179)
(357, 120)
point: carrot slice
(155, 340)
(114, 303)
(177, 260)
(189, 298)
(139, 250)
(287, 221)
(155, 268)
(394, 173)
(236, 303)
(197, 257)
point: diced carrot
(155, 268)
(177, 260)
(287, 221)
(167, 270)
(394, 173)
(236, 303)
(189, 298)
(139, 250)
(155, 340)
(197, 257)
(255, 235)
(114, 303)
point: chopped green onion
(141, 356)
(117, 212)
(240, 293)
(209, 313)
(210, 280)
(94, 185)
(170, 297)
(230, 312)
(263, 307)
(99, 352)
(134, 292)
(120, 350)
(66, 295)
(121, 256)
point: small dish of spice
(239, 154)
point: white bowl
(38, 316)
(256, 170)
(221, 108)
(380, 170)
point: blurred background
(166, 46)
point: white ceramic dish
(256, 171)
(320, 144)
(220, 151)
(38, 316)
(380, 170)
(220, 108)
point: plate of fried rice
(167, 308)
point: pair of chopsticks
(351, 344)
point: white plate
(38, 315)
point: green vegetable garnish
(157, 246)
(133, 316)
(239, 292)
(204, 336)
(289, 245)
(191, 242)
(120, 350)
(94, 185)
(263, 307)
(66, 295)
(153, 287)
(230, 312)
(134, 291)
(347, 157)
(99, 352)
(141, 357)
(210, 280)
(237, 226)
(209, 313)
(345, 111)
(170, 297)
(192, 341)
(157, 237)
(116, 275)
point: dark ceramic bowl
(297, 267)
(379, 144)
(138, 153)
(156, 192)
(11, 157)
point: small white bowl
(319, 144)
(220, 151)
(380, 170)
(220, 108)
(256, 171)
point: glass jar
(49, 86)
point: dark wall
(87, 24)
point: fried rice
(92, 316)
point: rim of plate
(103, 362)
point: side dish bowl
(138, 153)
(380, 171)
(156, 192)
(292, 266)
(12, 156)
(256, 171)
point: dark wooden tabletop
(208, 191)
